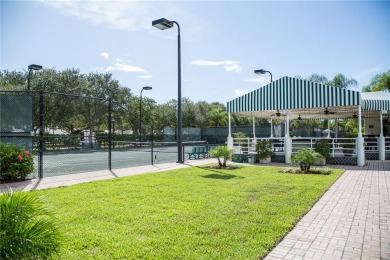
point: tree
(221, 152)
(217, 117)
(305, 158)
(342, 81)
(379, 82)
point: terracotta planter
(265, 160)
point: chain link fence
(73, 134)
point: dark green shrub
(15, 162)
(27, 228)
(322, 147)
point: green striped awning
(375, 101)
(290, 93)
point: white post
(287, 142)
(381, 139)
(360, 142)
(254, 130)
(328, 129)
(272, 129)
(230, 138)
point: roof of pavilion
(307, 100)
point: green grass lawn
(192, 213)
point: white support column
(328, 136)
(381, 139)
(230, 138)
(287, 142)
(272, 129)
(360, 142)
(254, 130)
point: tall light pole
(261, 71)
(31, 68)
(163, 24)
(140, 110)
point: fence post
(152, 145)
(109, 134)
(41, 126)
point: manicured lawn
(193, 213)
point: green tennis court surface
(61, 163)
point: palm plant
(221, 152)
(305, 158)
(27, 228)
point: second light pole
(163, 24)
(140, 111)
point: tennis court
(123, 155)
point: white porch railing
(338, 146)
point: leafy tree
(28, 229)
(379, 82)
(221, 152)
(318, 78)
(342, 81)
(217, 117)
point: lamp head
(260, 71)
(162, 24)
(34, 67)
(147, 88)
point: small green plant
(322, 147)
(305, 158)
(221, 152)
(264, 149)
(27, 228)
(15, 162)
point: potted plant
(264, 151)
(322, 147)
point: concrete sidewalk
(71, 179)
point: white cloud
(124, 68)
(145, 76)
(105, 55)
(262, 80)
(120, 14)
(240, 92)
(229, 66)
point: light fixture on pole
(261, 71)
(163, 24)
(140, 110)
(31, 68)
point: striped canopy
(298, 98)
(375, 101)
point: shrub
(322, 147)
(15, 162)
(305, 158)
(221, 152)
(27, 228)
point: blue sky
(222, 42)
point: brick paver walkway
(351, 220)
